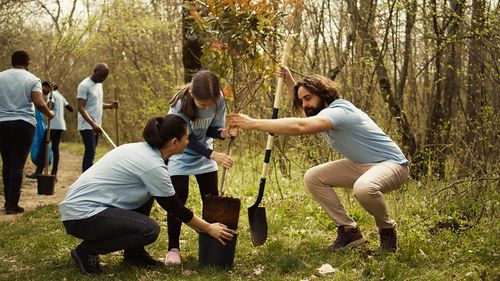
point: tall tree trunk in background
(475, 93)
(409, 142)
(362, 77)
(191, 46)
(411, 11)
(447, 63)
(435, 120)
(452, 88)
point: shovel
(257, 215)
(46, 182)
(225, 210)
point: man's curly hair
(326, 89)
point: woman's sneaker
(173, 257)
(347, 238)
(139, 257)
(87, 262)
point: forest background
(427, 72)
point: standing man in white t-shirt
(19, 90)
(373, 164)
(90, 106)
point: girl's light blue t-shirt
(125, 177)
(190, 162)
(93, 94)
(16, 86)
(357, 137)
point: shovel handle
(108, 138)
(224, 170)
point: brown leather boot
(347, 238)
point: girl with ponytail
(202, 106)
(109, 204)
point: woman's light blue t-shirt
(357, 137)
(125, 177)
(16, 86)
(190, 162)
(58, 122)
(93, 94)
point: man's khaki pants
(368, 180)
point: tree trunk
(191, 47)
(409, 143)
(475, 93)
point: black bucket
(212, 253)
(46, 184)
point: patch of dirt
(70, 166)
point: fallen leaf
(326, 269)
(258, 270)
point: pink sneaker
(173, 257)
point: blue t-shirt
(126, 177)
(357, 137)
(16, 86)
(91, 92)
(190, 162)
(58, 123)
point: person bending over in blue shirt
(57, 127)
(373, 163)
(109, 204)
(202, 105)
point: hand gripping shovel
(256, 214)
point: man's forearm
(86, 116)
(282, 126)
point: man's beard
(312, 111)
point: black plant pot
(212, 253)
(46, 184)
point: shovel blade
(258, 224)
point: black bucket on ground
(212, 253)
(46, 184)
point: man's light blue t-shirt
(16, 86)
(357, 137)
(126, 177)
(190, 162)
(91, 92)
(58, 122)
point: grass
(36, 247)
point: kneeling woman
(108, 206)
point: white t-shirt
(126, 177)
(16, 86)
(58, 122)
(91, 92)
